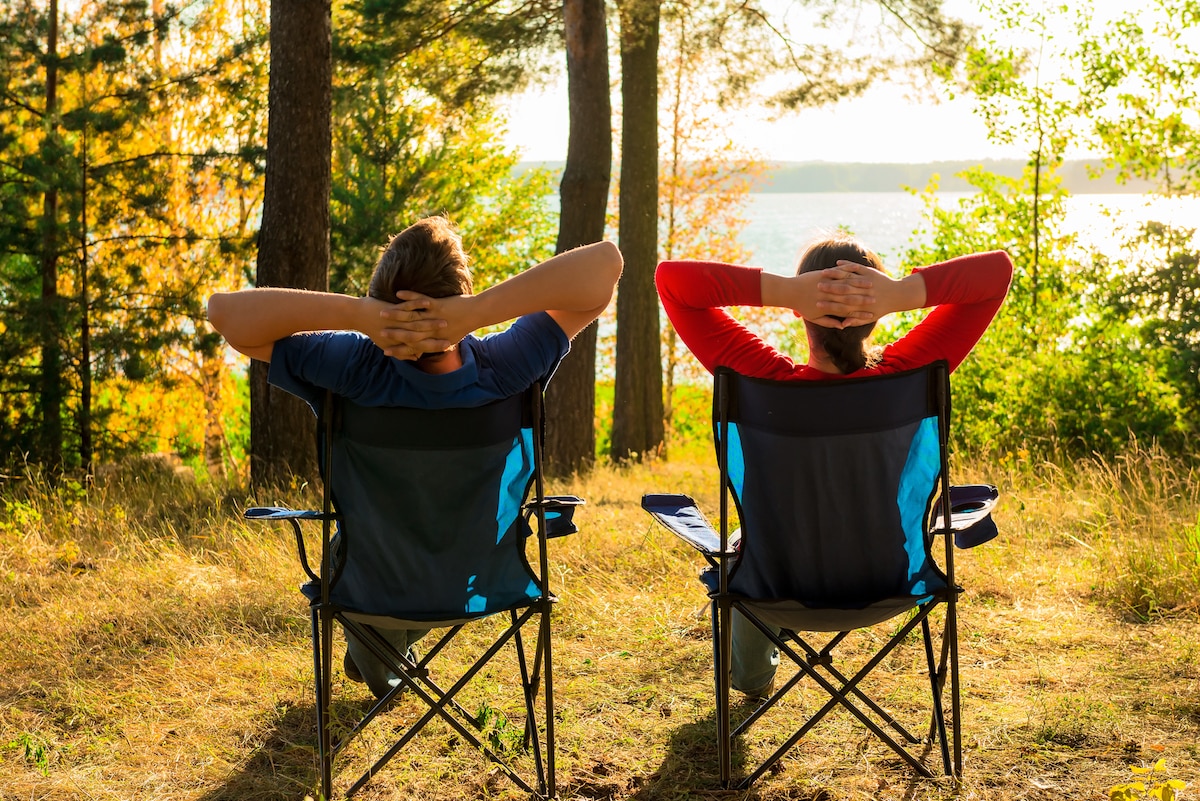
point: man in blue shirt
(409, 342)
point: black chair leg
(322, 631)
(722, 653)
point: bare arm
(253, 320)
(573, 287)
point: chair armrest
(280, 513)
(559, 512)
(971, 508)
(683, 519)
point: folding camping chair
(835, 484)
(432, 525)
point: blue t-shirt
(352, 366)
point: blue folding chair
(836, 485)
(432, 525)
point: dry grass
(155, 648)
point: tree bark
(50, 398)
(583, 193)
(638, 405)
(293, 244)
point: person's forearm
(578, 280)
(257, 317)
(788, 291)
(904, 295)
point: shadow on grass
(690, 771)
(283, 767)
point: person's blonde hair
(425, 257)
(847, 348)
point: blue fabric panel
(518, 468)
(737, 461)
(917, 482)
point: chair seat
(797, 616)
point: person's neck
(818, 359)
(439, 363)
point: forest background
(134, 163)
(155, 645)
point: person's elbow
(219, 312)
(223, 316)
(609, 264)
(611, 260)
(1004, 269)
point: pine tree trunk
(571, 396)
(50, 399)
(638, 406)
(293, 245)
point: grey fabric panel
(822, 543)
(797, 617)
(821, 408)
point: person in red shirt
(840, 290)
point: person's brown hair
(847, 348)
(425, 257)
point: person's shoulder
(539, 326)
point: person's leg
(753, 658)
(370, 669)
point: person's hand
(888, 295)
(403, 333)
(421, 324)
(845, 296)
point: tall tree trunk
(51, 391)
(638, 405)
(583, 193)
(85, 316)
(293, 244)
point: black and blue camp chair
(839, 488)
(433, 525)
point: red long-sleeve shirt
(966, 291)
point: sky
(881, 126)
(884, 125)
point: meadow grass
(155, 647)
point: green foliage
(415, 134)
(1147, 783)
(35, 750)
(109, 229)
(1073, 721)
(1138, 80)
(1089, 349)
(1161, 577)
(496, 731)
(1153, 290)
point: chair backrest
(429, 506)
(834, 483)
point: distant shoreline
(823, 176)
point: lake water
(781, 224)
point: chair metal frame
(553, 517)
(962, 511)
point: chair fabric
(433, 512)
(836, 486)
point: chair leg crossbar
(844, 691)
(414, 676)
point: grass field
(155, 647)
